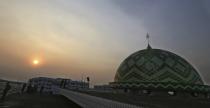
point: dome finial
(148, 46)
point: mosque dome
(157, 69)
(157, 66)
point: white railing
(87, 101)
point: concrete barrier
(87, 101)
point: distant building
(72, 84)
(77, 85)
(50, 84)
(15, 86)
(46, 83)
(103, 88)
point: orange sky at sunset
(71, 38)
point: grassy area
(37, 101)
(155, 101)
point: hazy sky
(75, 38)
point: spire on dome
(148, 46)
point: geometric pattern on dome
(166, 86)
(155, 65)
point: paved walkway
(37, 101)
(87, 101)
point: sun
(35, 62)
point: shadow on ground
(155, 101)
(37, 101)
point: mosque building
(158, 72)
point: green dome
(156, 65)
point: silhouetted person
(35, 88)
(64, 84)
(29, 88)
(6, 89)
(23, 88)
(41, 90)
(61, 84)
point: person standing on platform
(23, 88)
(41, 89)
